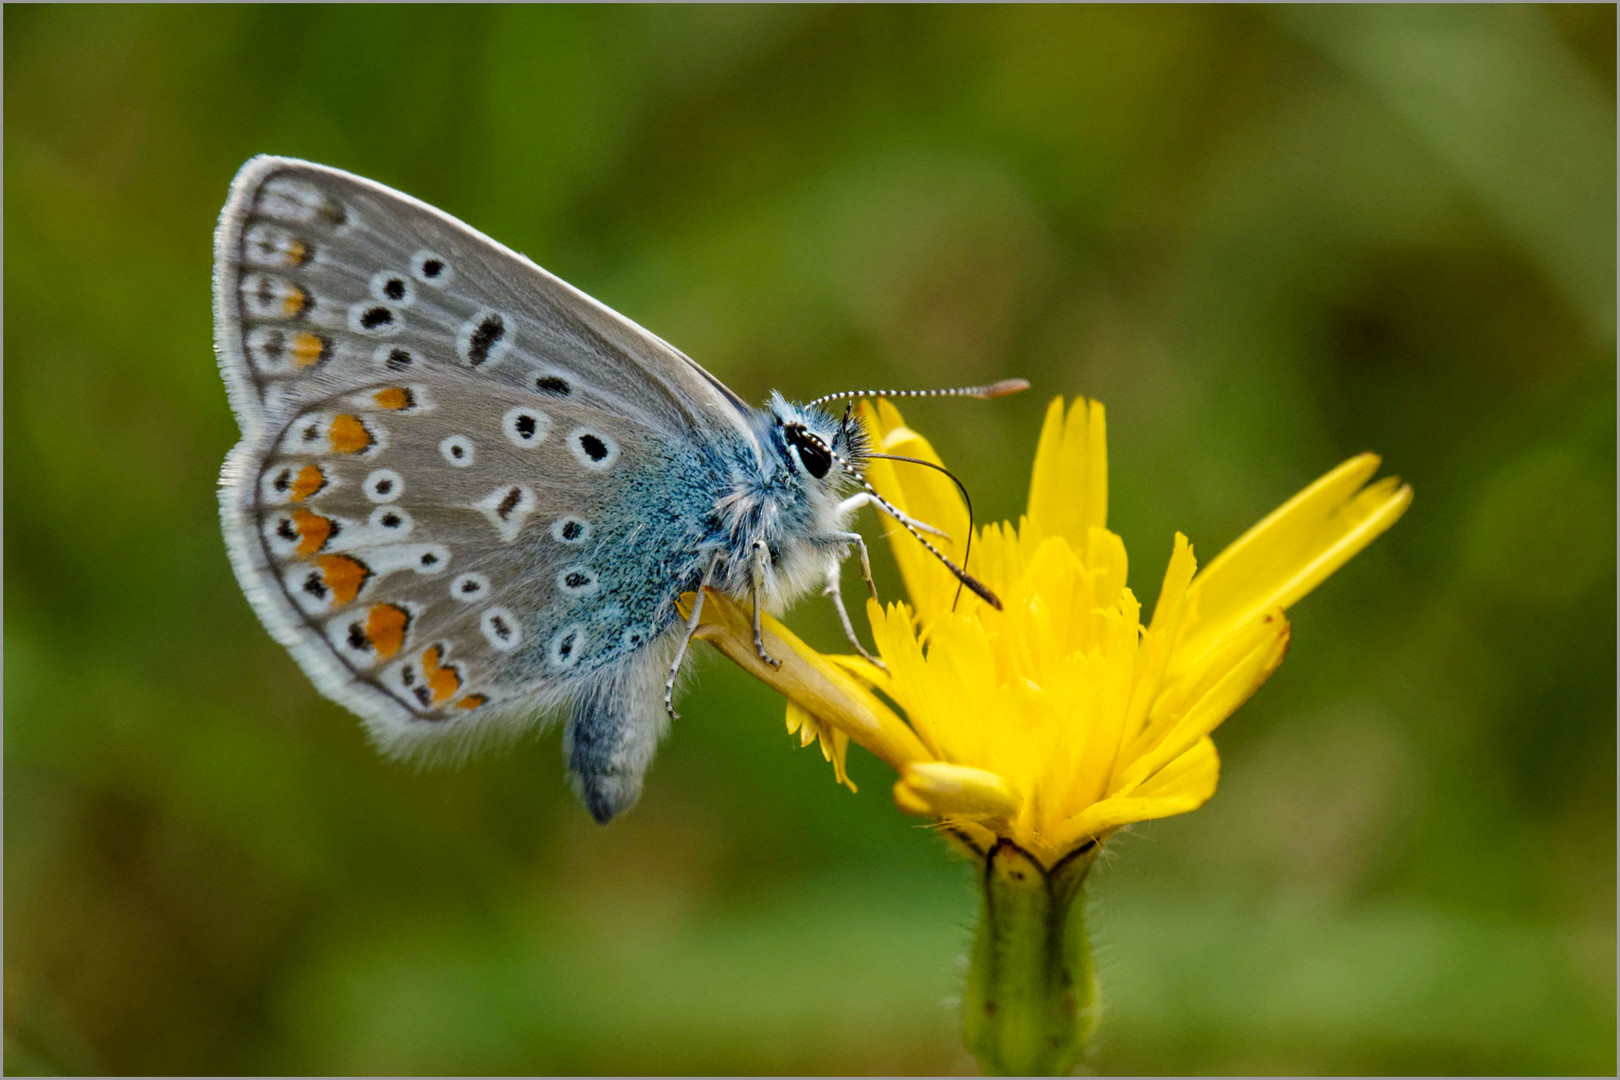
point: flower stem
(1031, 1001)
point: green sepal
(1031, 1001)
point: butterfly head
(825, 450)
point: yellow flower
(1033, 732)
(1060, 718)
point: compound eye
(815, 457)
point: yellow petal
(1239, 682)
(1289, 553)
(952, 791)
(834, 743)
(1068, 492)
(862, 669)
(1169, 612)
(807, 677)
(1185, 784)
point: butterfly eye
(816, 460)
(812, 452)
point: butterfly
(468, 496)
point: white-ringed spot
(307, 434)
(281, 536)
(267, 348)
(392, 288)
(375, 320)
(394, 357)
(431, 269)
(566, 646)
(525, 426)
(469, 587)
(431, 558)
(633, 638)
(592, 449)
(458, 450)
(348, 634)
(269, 297)
(500, 629)
(578, 581)
(383, 486)
(507, 509)
(571, 530)
(484, 338)
(269, 246)
(392, 520)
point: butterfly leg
(838, 540)
(686, 641)
(756, 578)
(856, 502)
(835, 566)
(833, 590)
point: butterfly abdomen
(614, 727)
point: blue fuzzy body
(692, 512)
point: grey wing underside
(453, 588)
(306, 249)
(330, 290)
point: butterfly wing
(450, 557)
(466, 491)
(322, 279)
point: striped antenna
(981, 590)
(993, 390)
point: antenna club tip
(1003, 388)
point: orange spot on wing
(296, 252)
(442, 679)
(395, 397)
(471, 701)
(313, 531)
(308, 349)
(295, 300)
(348, 435)
(309, 480)
(385, 628)
(344, 576)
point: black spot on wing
(485, 337)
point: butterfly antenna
(991, 390)
(967, 547)
(981, 590)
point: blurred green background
(1266, 238)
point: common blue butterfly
(468, 496)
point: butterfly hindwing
(449, 558)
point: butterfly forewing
(324, 279)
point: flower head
(1062, 717)
(1035, 730)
